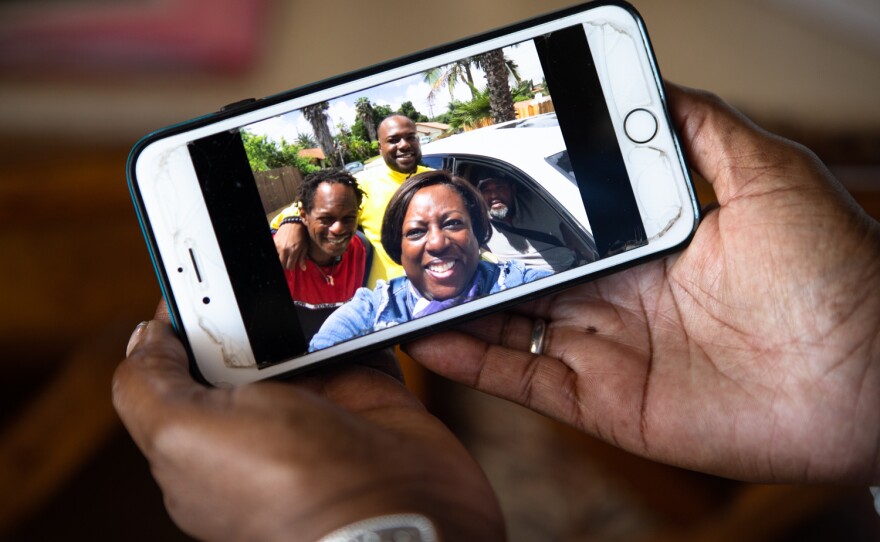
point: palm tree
(448, 75)
(318, 119)
(510, 66)
(469, 114)
(497, 72)
(365, 114)
(305, 141)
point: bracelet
(291, 220)
(410, 527)
(876, 492)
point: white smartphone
(524, 160)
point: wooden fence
(277, 188)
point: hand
(294, 461)
(292, 244)
(753, 354)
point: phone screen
(558, 170)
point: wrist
(451, 517)
(465, 512)
(291, 220)
(391, 528)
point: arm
(295, 460)
(753, 354)
(290, 237)
(530, 274)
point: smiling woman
(434, 226)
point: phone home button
(640, 126)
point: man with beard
(401, 154)
(534, 239)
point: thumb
(727, 149)
(155, 372)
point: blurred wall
(76, 277)
(764, 58)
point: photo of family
(394, 215)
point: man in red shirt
(330, 201)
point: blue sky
(412, 88)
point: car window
(433, 162)
(562, 163)
(529, 190)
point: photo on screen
(507, 156)
(514, 150)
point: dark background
(75, 277)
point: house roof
(312, 153)
(433, 125)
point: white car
(529, 152)
(353, 167)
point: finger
(725, 147)
(135, 338)
(455, 355)
(155, 370)
(509, 328)
(302, 256)
(161, 313)
(385, 361)
(542, 383)
(510, 331)
(462, 354)
(360, 389)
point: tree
(359, 128)
(306, 141)
(352, 146)
(365, 115)
(317, 117)
(495, 66)
(442, 118)
(407, 109)
(380, 112)
(498, 70)
(448, 75)
(523, 91)
(262, 153)
(469, 114)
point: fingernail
(135, 337)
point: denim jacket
(390, 304)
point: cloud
(276, 129)
(341, 110)
(413, 89)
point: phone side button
(640, 125)
(235, 105)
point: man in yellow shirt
(401, 153)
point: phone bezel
(611, 264)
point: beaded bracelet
(291, 220)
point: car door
(535, 194)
